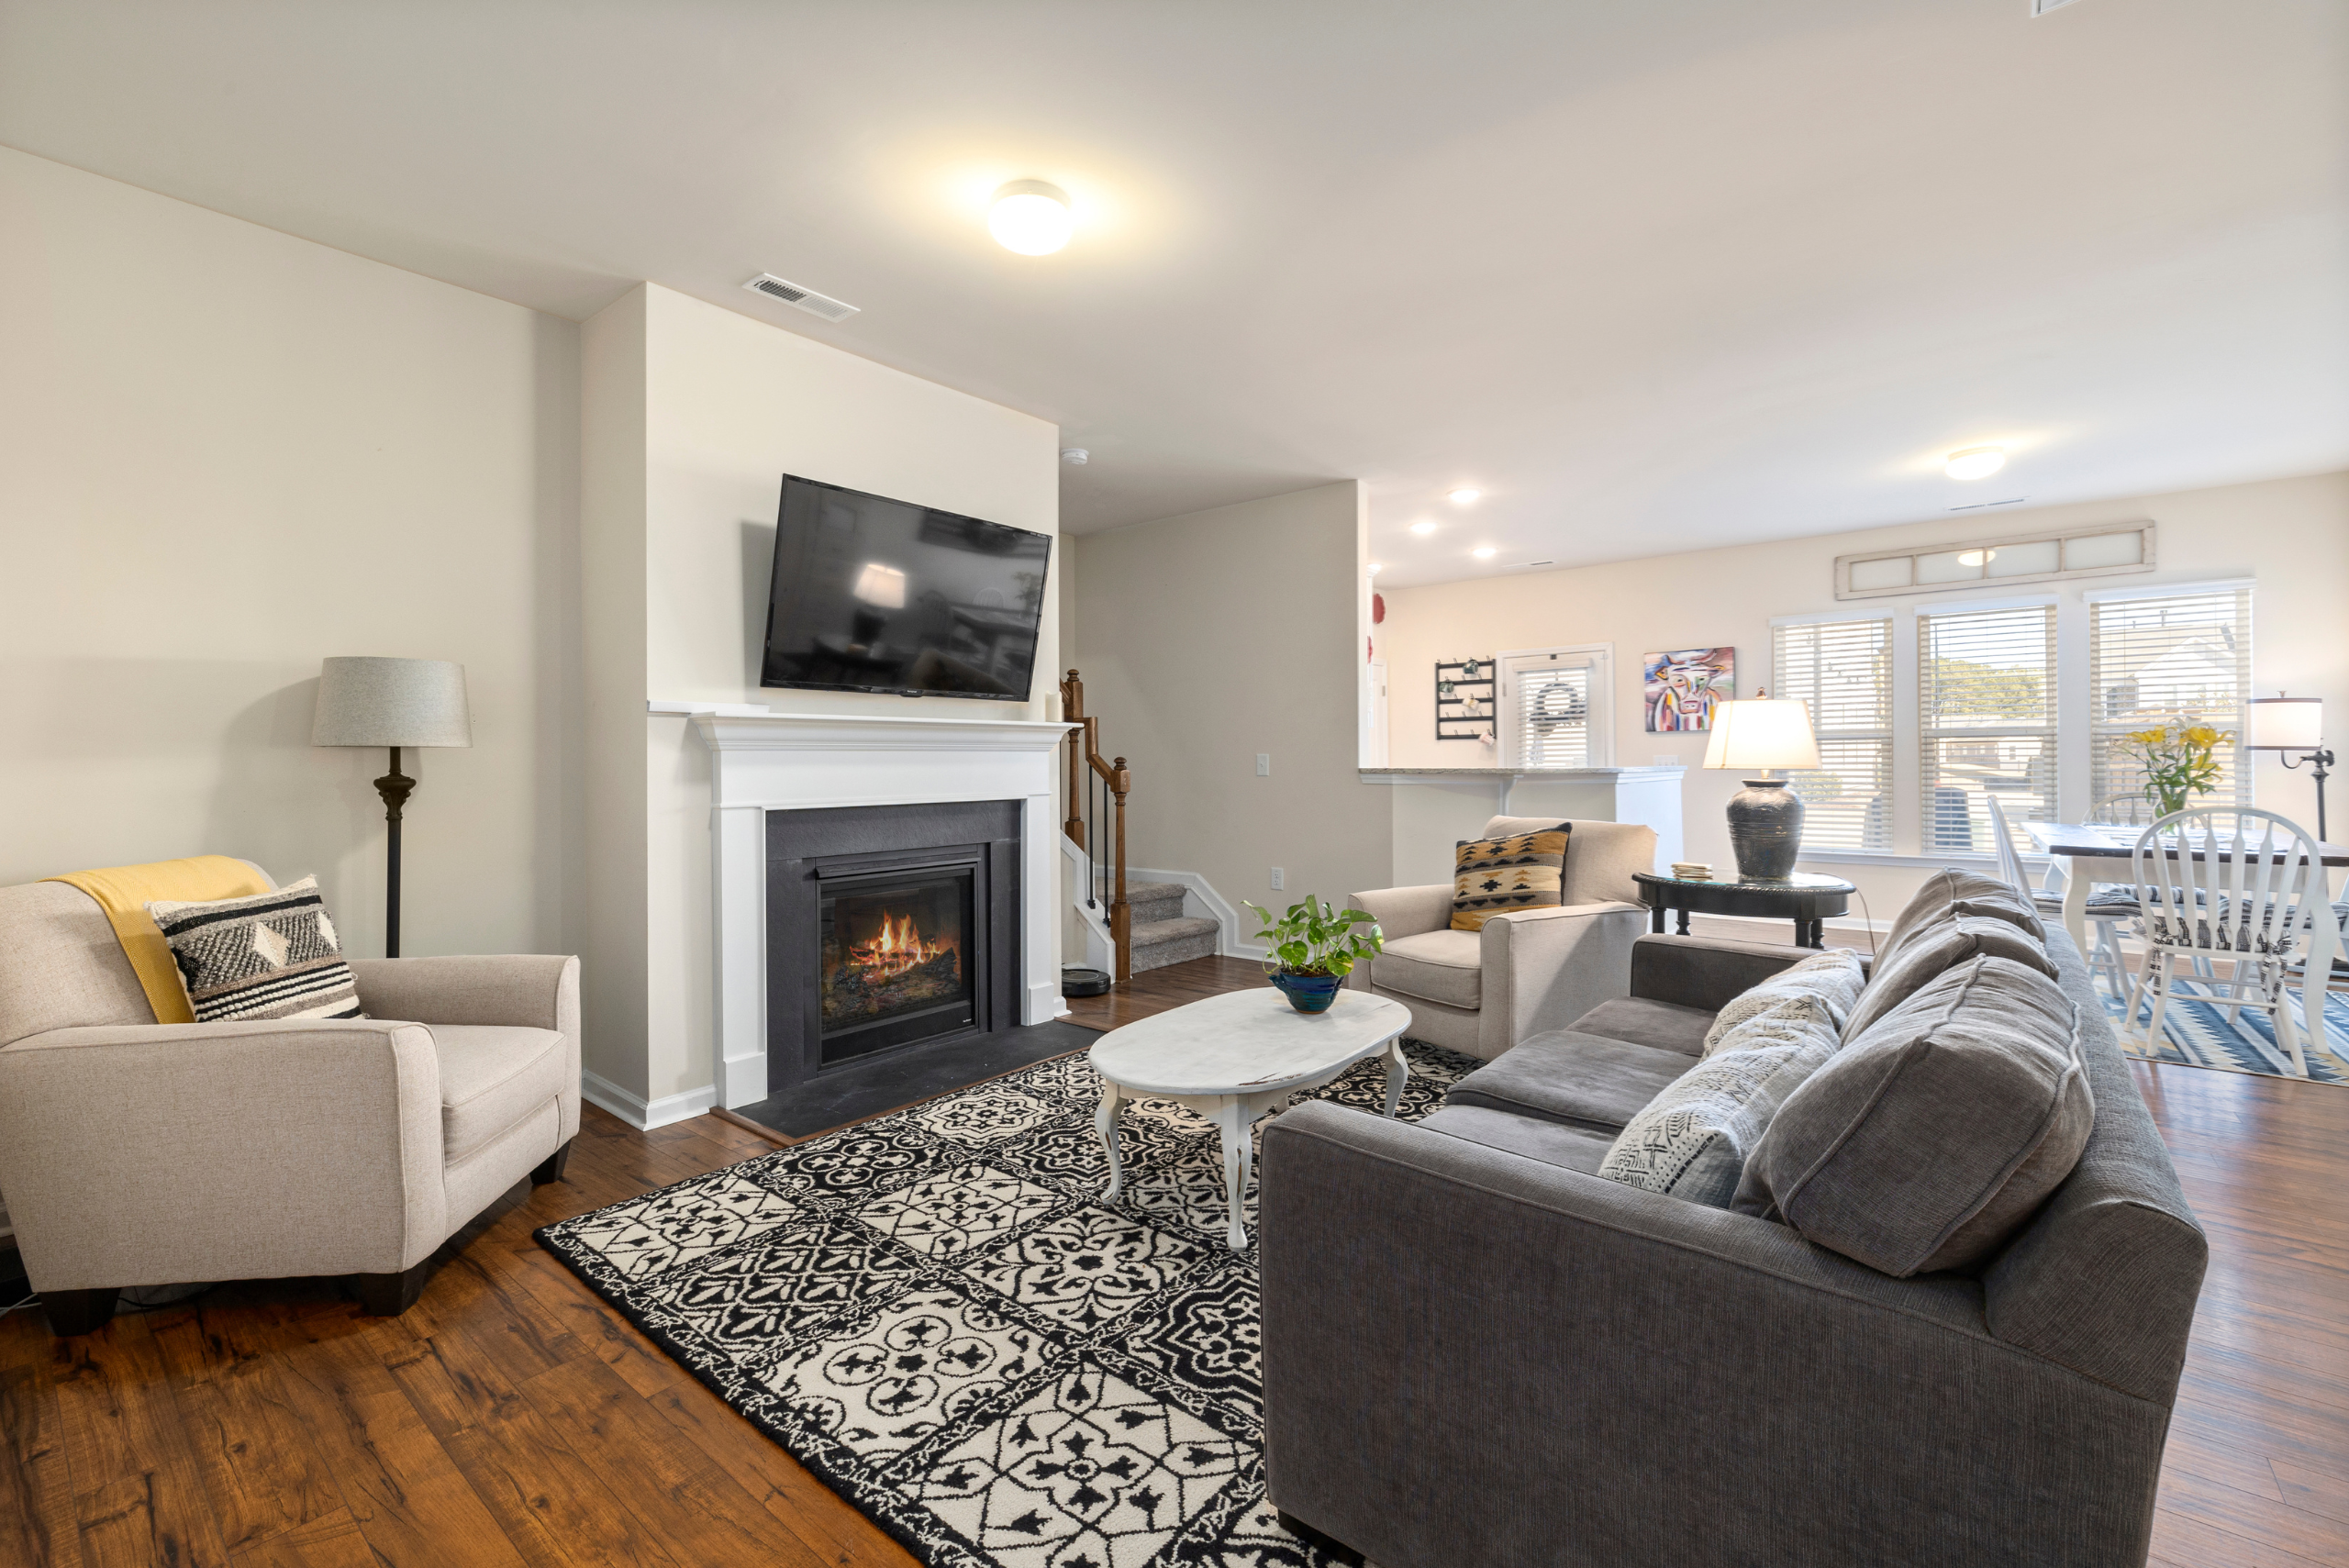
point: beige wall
(2291, 535)
(1209, 638)
(725, 405)
(224, 454)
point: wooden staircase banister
(1084, 753)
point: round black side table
(1804, 898)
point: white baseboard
(1200, 900)
(640, 1114)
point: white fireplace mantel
(805, 761)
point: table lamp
(1763, 733)
(2293, 728)
(392, 703)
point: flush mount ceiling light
(1484, 552)
(1423, 527)
(1376, 567)
(1466, 494)
(1976, 462)
(1030, 216)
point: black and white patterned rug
(935, 1312)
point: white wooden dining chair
(2234, 883)
(2106, 914)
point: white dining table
(2089, 848)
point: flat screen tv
(872, 595)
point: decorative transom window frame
(2088, 544)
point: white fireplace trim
(803, 762)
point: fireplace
(890, 962)
(889, 928)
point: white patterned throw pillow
(1820, 990)
(272, 955)
(1691, 1140)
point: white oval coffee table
(1233, 1058)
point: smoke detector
(805, 299)
(1075, 457)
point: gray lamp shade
(392, 702)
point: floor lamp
(392, 703)
(2293, 728)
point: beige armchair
(137, 1153)
(1482, 992)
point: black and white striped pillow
(274, 955)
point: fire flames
(895, 949)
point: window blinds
(2161, 660)
(1986, 688)
(1554, 715)
(1843, 670)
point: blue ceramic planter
(1308, 992)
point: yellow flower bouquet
(2179, 761)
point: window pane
(2168, 660)
(1554, 717)
(1844, 671)
(1847, 799)
(1986, 702)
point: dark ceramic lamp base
(1765, 828)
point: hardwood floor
(510, 1418)
(1156, 990)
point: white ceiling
(1655, 274)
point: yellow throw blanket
(123, 892)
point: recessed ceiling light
(1030, 216)
(1466, 494)
(1484, 552)
(1976, 462)
(1423, 527)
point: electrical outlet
(1667, 759)
(1264, 770)
(1280, 879)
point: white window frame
(1598, 657)
(2074, 731)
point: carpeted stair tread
(1176, 939)
(1152, 933)
(1154, 892)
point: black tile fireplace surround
(890, 929)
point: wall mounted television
(872, 595)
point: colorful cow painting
(1683, 685)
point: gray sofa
(1478, 1353)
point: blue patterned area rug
(2195, 1034)
(935, 1312)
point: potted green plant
(1313, 948)
(2178, 761)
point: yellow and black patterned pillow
(1492, 876)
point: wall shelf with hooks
(1464, 695)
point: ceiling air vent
(809, 300)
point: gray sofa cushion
(1935, 949)
(1949, 894)
(1552, 1142)
(1667, 1026)
(1691, 1140)
(1566, 1076)
(1820, 990)
(1441, 966)
(1927, 1140)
